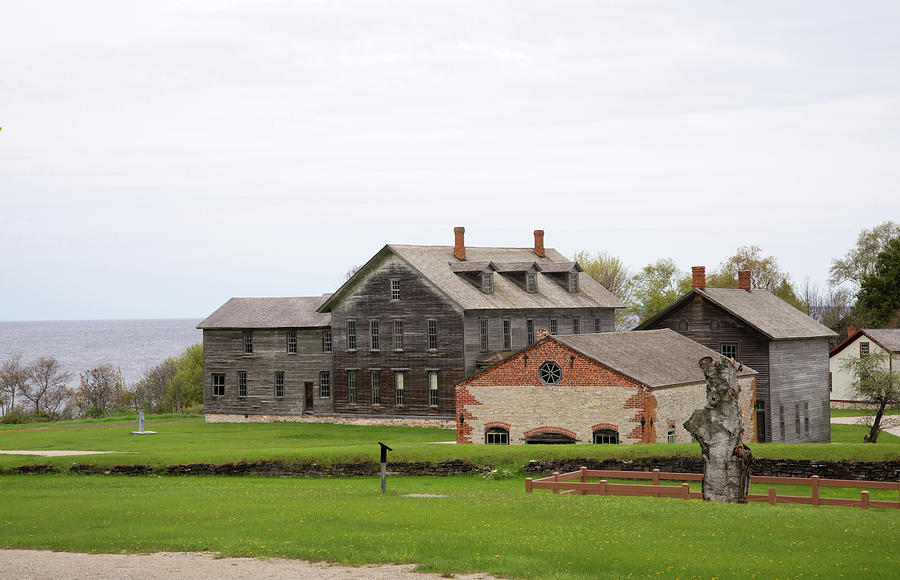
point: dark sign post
(384, 450)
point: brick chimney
(851, 330)
(699, 275)
(539, 243)
(459, 243)
(744, 280)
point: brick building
(627, 387)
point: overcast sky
(157, 158)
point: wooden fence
(576, 482)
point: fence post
(685, 491)
(864, 499)
(528, 481)
(583, 474)
(815, 490)
(772, 498)
(602, 487)
(556, 481)
(655, 477)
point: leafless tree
(46, 388)
(13, 381)
(101, 390)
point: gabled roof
(762, 310)
(656, 358)
(298, 312)
(886, 338)
(438, 264)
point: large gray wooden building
(786, 347)
(398, 335)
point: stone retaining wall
(866, 471)
(333, 419)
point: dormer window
(487, 282)
(573, 281)
(531, 282)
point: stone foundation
(333, 419)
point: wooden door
(308, 399)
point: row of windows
(484, 343)
(375, 335)
(798, 420)
(399, 387)
(531, 284)
(290, 338)
(218, 384)
(500, 436)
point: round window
(550, 373)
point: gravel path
(893, 428)
(41, 564)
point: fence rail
(576, 482)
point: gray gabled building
(394, 339)
(787, 348)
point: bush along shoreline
(857, 470)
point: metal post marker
(140, 430)
(384, 450)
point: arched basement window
(496, 436)
(606, 436)
(549, 439)
(671, 435)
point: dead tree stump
(718, 428)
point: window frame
(573, 282)
(375, 386)
(399, 389)
(487, 282)
(431, 333)
(291, 341)
(352, 394)
(576, 325)
(218, 384)
(279, 384)
(325, 384)
(374, 334)
(550, 373)
(529, 332)
(483, 339)
(531, 282)
(507, 334)
(395, 289)
(326, 341)
(597, 325)
(397, 325)
(351, 334)
(601, 434)
(554, 325)
(496, 436)
(433, 398)
(242, 384)
(248, 341)
(864, 349)
(730, 346)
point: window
(496, 436)
(374, 337)
(431, 324)
(781, 420)
(529, 329)
(351, 387)
(351, 335)
(487, 282)
(375, 378)
(242, 383)
(324, 384)
(483, 323)
(863, 349)
(531, 282)
(797, 418)
(507, 335)
(596, 325)
(279, 383)
(432, 388)
(218, 382)
(670, 435)
(573, 281)
(728, 350)
(576, 326)
(326, 341)
(682, 325)
(554, 325)
(606, 437)
(248, 341)
(395, 289)
(806, 417)
(760, 421)
(398, 388)
(398, 335)
(550, 373)
(292, 341)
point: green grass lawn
(860, 412)
(198, 442)
(489, 526)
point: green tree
(859, 262)
(878, 300)
(765, 273)
(613, 274)
(151, 390)
(656, 286)
(185, 390)
(875, 383)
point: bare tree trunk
(718, 428)
(875, 428)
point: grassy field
(490, 526)
(198, 442)
(860, 412)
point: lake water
(79, 345)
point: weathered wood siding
(518, 326)
(223, 352)
(799, 377)
(419, 301)
(712, 327)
